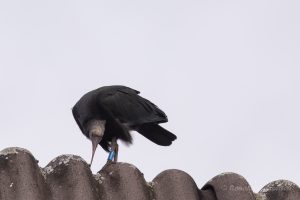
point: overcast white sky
(227, 73)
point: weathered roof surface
(69, 177)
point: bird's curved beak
(95, 141)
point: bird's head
(96, 130)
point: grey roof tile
(230, 186)
(281, 189)
(69, 177)
(174, 185)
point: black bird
(110, 112)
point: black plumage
(123, 110)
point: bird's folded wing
(132, 109)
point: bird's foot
(109, 162)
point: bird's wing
(130, 108)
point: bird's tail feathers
(157, 134)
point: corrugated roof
(69, 177)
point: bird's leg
(116, 152)
(113, 150)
